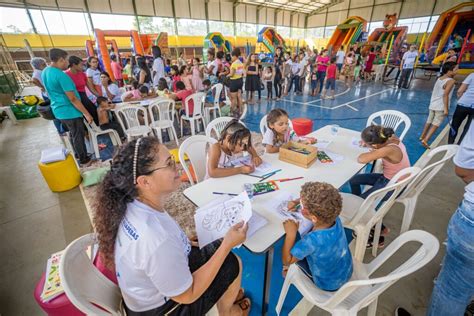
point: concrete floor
(35, 223)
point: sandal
(370, 243)
(245, 304)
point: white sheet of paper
(260, 171)
(279, 204)
(322, 143)
(255, 223)
(335, 157)
(145, 102)
(355, 142)
(53, 154)
(214, 220)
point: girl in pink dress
(197, 75)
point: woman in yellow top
(236, 83)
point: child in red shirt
(174, 74)
(330, 78)
(180, 95)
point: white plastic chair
(129, 118)
(361, 215)
(361, 290)
(85, 286)
(217, 126)
(95, 131)
(198, 99)
(264, 126)
(165, 110)
(216, 91)
(409, 197)
(391, 118)
(9, 113)
(195, 148)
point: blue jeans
(321, 75)
(376, 180)
(59, 127)
(454, 287)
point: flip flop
(245, 304)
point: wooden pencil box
(298, 154)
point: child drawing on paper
(323, 253)
(223, 218)
(235, 139)
(279, 132)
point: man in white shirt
(340, 58)
(303, 71)
(406, 66)
(465, 108)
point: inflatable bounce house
(382, 36)
(140, 45)
(347, 33)
(217, 41)
(459, 21)
(267, 42)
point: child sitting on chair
(234, 140)
(323, 254)
(138, 93)
(180, 95)
(162, 89)
(103, 108)
(279, 132)
(209, 100)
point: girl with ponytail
(158, 269)
(386, 146)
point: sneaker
(400, 311)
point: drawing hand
(257, 161)
(291, 227)
(236, 235)
(292, 205)
(247, 169)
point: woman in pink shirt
(322, 63)
(386, 146)
(76, 72)
(116, 69)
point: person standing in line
(406, 66)
(340, 58)
(65, 101)
(116, 69)
(39, 64)
(76, 73)
(464, 108)
(278, 65)
(158, 65)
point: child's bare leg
(430, 133)
(226, 305)
(332, 93)
(425, 130)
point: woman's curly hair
(321, 200)
(117, 189)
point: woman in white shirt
(159, 270)
(109, 89)
(93, 74)
(158, 66)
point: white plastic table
(336, 174)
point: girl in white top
(93, 73)
(109, 89)
(279, 132)
(234, 140)
(158, 268)
(440, 99)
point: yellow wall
(78, 41)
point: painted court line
(367, 96)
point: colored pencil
(223, 193)
(271, 173)
(252, 175)
(289, 179)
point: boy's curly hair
(322, 200)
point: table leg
(267, 280)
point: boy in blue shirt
(324, 249)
